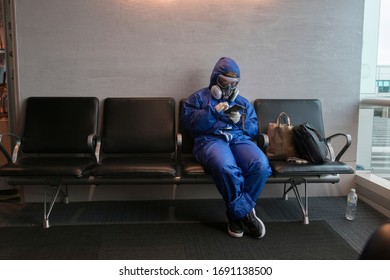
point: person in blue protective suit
(223, 144)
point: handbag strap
(286, 118)
(308, 126)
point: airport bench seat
(138, 144)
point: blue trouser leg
(239, 169)
(254, 165)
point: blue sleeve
(251, 126)
(199, 117)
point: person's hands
(221, 107)
(234, 116)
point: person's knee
(260, 167)
(229, 169)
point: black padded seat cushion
(191, 167)
(134, 166)
(299, 111)
(139, 125)
(47, 166)
(286, 168)
(138, 138)
(59, 124)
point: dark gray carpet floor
(207, 217)
(173, 241)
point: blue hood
(223, 66)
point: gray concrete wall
(285, 49)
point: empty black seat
(138, 140)
(56, 139)
(56, 145)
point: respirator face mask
(226, 88)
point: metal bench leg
(46, 214)
(285, 196)
(172, 204)
(294, 182)
(65, 195)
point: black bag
(310, 143)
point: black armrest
(263, 141)
(93, 143)
(179, 145)
(348, 141)
(4, 151)
(179, 142)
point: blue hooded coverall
(226, 150)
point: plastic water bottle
(352, 199)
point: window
(383, 86)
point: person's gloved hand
(234, 116)
(221, 107)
